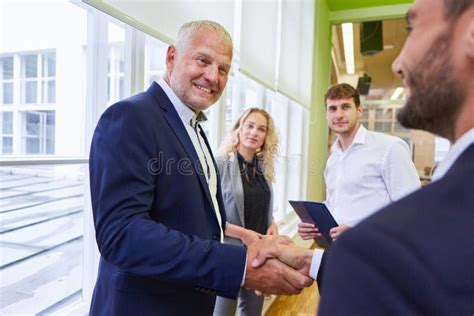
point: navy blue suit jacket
(156, 227)
(414, 257)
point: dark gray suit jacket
(233, 193)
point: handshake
(276, 266)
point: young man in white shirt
(365, 171)
(415, 257)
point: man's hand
(296, 257)
(272, 276)
(272, 229)
(335, 232)
(308, 231)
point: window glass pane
(32, 123)
(383, 127)
(155, 56)
(383, 114)
(121, 63)
(7, 145)
(365, 114)
(228, 95)
(30, 66)
(49, 64)
(50, 126)
(116, 64)
(121, 87)
(7, 67)
(31, 88)
(7, 122)
(7, 93)
(32, 146)
(49, 91)
(116, 73)
(40, 126)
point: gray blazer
(233, 193)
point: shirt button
(216, 236)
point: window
(384, 120)
(48, 79)
(364, 120)
(6, 129)
(38, 78)
(278, 109)
(36, 87)
(6, 92)
(155, 54)
(116, 63)
(38, 132)
(42, 112)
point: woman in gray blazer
(246, 166)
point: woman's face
(254, 131)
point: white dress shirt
(188, 117)
(456, 150)
(374, 171)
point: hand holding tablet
(317, 214)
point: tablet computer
(317, 214)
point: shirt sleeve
(399, 172)
(316, 263)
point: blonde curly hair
(267, 153)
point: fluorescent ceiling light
(398, 91)
(348, 41)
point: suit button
(216, 237)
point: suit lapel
(176, 125)
(237, 186)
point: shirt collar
(185, 113)
(456, 150)
(359, 138)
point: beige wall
(423, 148)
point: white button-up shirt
(374, 171)
(187, 115)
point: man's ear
(171, 54)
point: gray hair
(187, 31)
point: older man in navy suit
(156, 197)
(416, 256)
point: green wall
(318, 129)
(339, 5)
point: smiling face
(432, 69)
(198, 72)
(253, 132)
(343, 116)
